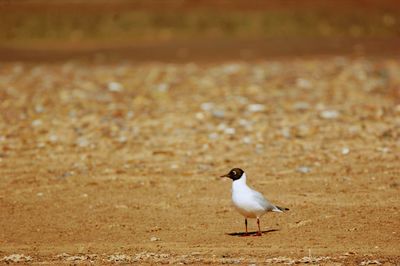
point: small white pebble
(39, 108)
(229, 131)
(16, 258)
(129, 114)
(53, 138)
(82, 142)
(246, 124)
(218, 113)
(246, 140)
(231, 68)
(213, 136)
(345, 150)
(163, 87)
(37, 123)
(221, 127)
(286, 132)
(207, 106)
(114, 86)
(303, 169)
(41, 145)
(152, 239)
(303, 83)
(200, 116)
(259, 148)
(39, 194)
(122, 139)
(384, 150)
(329, 114)
(255, 107)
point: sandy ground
(119, 162)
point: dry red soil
(109, 162)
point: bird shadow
(253, 233)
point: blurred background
(196, 29)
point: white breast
(247, 201)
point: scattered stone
(82, 142)
(66, 174)
(303, 169)
(231, 68)
(218, 113)
(259, 148)
(255, 107)
(76, 258)
(248, 125)
(286, 132)
(369, 262)
(41, 145)
(329, 114)
(221, 127)
(301, 106)
(246, 140)
(129, 114)
(207, 106)
(302, 131)
(383, 149)
(163, 87)
(16, 258)
(37, 123)
(119, 258)
(53, 138)
(213, 136)
(345, 150)
(200, 116)
(299, 223)
(229, 131)
(63, 255)
(153, 239)
(114, 86)
(122, 139)
(39, 108)
(303, 83)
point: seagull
(247, 201)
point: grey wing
(263, 201)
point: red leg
(259, 229)
(245, 223)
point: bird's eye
(234, 172)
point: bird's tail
(279, 209)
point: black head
(234, 174)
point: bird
(247, 201)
